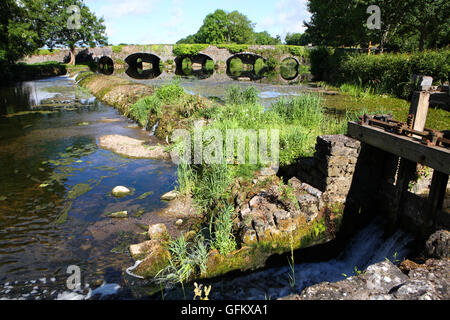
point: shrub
(188, 49)
(117, 49)
(389, 73)
(272, 63)
(141, 110)
(235, 95)
(233, 48)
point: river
(55, 193)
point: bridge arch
(289, 68)
(200, 65)
(143, 65)
(106, 65)
(248, 60)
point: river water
(55, 193)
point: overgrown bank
(244, 213)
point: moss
(78, 190)
(64, 214)
(156, 261)
(233, 48)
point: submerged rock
(138, 251)
(169, 196)
(119, 214)
(156, 259)
(134, 148)
(120, 191)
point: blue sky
(167, 21)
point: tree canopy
(405, 25)
(234, 27)
(31, 24)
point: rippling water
(56, 183)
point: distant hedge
(188, 49)
(389, 72)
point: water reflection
(143, 66)
(199, 66)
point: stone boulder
(438, 245)
(158, 232)
(120, 191)
(169, 196)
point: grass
(437, 118)
(224, 240)
(171, 93)
(186, 259)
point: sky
(167, 21)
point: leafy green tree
(406, 24)
(297, 39)
(240, 28)
(431, 22)
(54, 19)
(214, 29)
(222, 27)
(17, 35)
(264, 38)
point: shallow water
(217, 85)
(56, 185)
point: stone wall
(320, 186)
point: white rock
(120, 191)
(171, 195)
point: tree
(430, 20)
(406, 24)
(298, 39)
(17, 35)
(214, 29)
(240, 28)
(264, 38)
(54, 19)
(222, 27)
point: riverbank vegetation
(388, 73)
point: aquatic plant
(237, 96)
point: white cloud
(120, 8)
(176, 18)
(288, 17)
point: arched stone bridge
(146, 59)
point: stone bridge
(158, 57)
